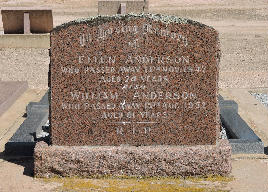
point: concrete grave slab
(243, 139)
(22, 143)
(19, 20)
(253, 113)
(9, 92)
(113, 7)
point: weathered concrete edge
(254, 115)
(90, 161)
(100, 19)
(22, 143)
(245, 140)
(25, 41)
(243, 146)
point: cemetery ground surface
(243, 31)
(249, 172)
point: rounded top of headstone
(98, 20)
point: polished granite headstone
(133, 95)
(134, 79)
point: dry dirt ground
(242, 26)
(243, 30)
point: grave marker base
(90, 161)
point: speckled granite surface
(134, 79)
(88, 161)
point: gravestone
(17, 20)
(134, 80)
(133, 87)
(112, 7)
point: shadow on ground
(26, 162)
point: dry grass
(129, 184)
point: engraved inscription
(138, 73)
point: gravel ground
(242, 29)
(25, 65)
(261, 97)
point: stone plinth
(27, 27)
(36, 20)
(134, 79)
(87, 161)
